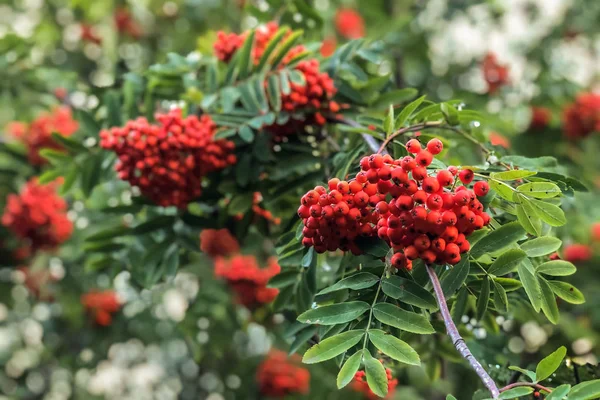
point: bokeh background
(525, 62)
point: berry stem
(530, 384)
(456, 338)
(371, 310)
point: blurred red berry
(349, 23)
(218, 243)
(540, 117)
(582, 118)
(279, 376)
(494, 73)
(577, 253)
(101, 305)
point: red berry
(435, 146)
(445, 178)
(466, 176)
(424, 158)
(430, 185)
(481, 188)
(413, 146)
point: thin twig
(370, 140)
(457, 339)
(530, 384)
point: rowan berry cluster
(38, 135)
(583, 117)
(360, 384)
(101, 305)
(419, 213)
(247, 279)
(349, 24)
(258, 210)
(495, 74)
(313, 98)
(38, 216)
(126, 24)
(218, 243)
(168, 161)
(88, 34)
(280, 376)
(540, 117)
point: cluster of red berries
(126, 24)
(420, 214)
(494, 73)
(583, 117)
(88, 34)
(168, 161)
(101, 305)
(38, 135)
(218, 243)
(261, 212)
(349, 23)
(540, 117)
(247, 279)
(38, 215)
(280, 376)
(312, 98)
(360, 384)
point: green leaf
(285, 83)
(308, 257)
(567, 292)
(549, 364)
(530, 163)
(240, 204)
(549, 306)
(460, 305)
(450, 397)
(500, 299)
(113, 108)
(388, 122)
(408, 321)
(586, 390)
(246, 56)
(507, 262)
(109, 233)
(515, 393)
(302, 337)
(376, 375)
(450, 113)
(246, 133)
(274, 92)
(271, 46)
(407, 112)
(530, 374)
(90, 174)
(373, 246)
(361, 280)
(540, 190)
(527, 215)
(161, 222)
(408, 292)
(483, 299)
(394, 347)
(541, 246)
(284, 279)
(349, 369)
(530, 284)
(512, 175)
(68, 143)
(501, 238)
(503, 190)
(334, 313)
(571, 182)
(559, 393)
(456, 277)
(549, 213)
(332, 346)
(557, 268)
(49, 176)
(285, 47)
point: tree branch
(530, 384)
(457, 339)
